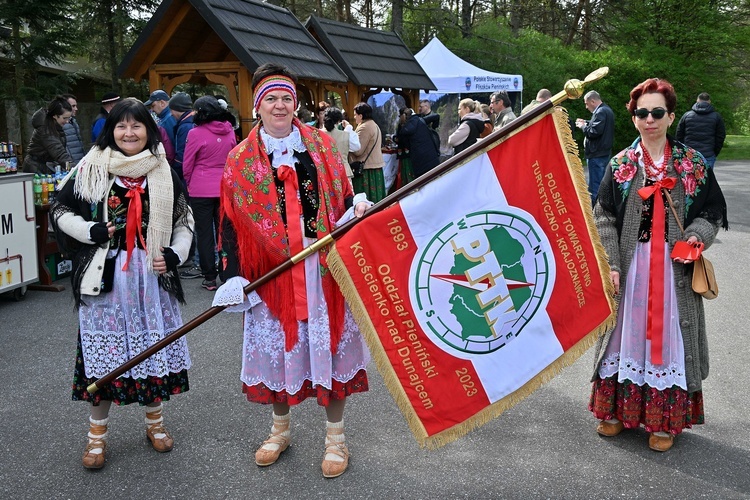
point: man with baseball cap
(158, 102)
(108, 102)
(181, 107)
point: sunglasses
(657, 113)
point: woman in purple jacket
(208, 144)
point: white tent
(453, 75)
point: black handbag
(358, 167)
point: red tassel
(336, 308)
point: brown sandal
(265, 457)
(93, 460)
(161, 444)
(333, 468)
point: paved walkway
(544, 447)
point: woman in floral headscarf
(649, 369)
(284, 187)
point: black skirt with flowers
(124, 390)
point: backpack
(435, 138)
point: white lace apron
(136, 314)
(628, 352)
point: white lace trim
(118, 325)
(283, 149)
(264, 359)
(232, 296)
(628, 351)
(659, 377)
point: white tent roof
(453, 75)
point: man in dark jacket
(158, 102)
(702, 128)
(422, 151)
(181, 107)
(72, 131)
(599, 135)
(431, 118)
(108, 102)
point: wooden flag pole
(573, 89)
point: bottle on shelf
(3, 158)
(37, 190)
(59, 175)
(45, 190)
(50, 189)
(12, 159)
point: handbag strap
(674, 212)
(373, 145)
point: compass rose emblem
(481, 279)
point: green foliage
(545, 62)
(118, 25)
(38, 34)
(736, 147)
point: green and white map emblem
(481, 279)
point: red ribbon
(134, 221)
(655, 324)
(288, 175)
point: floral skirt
(405, 172)
(125, 390)
(260, 393)
(372, 183)
(669, 410)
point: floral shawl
(250, 201)
(703, 196)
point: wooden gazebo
(224, 42)
(372, 59)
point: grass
(736, 147)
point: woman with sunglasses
(649, 368)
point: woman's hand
(110, 229)
(360, 208)
(690, 241)
(160, 264)
(614, 276)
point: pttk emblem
(480, 280)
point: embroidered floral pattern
(670, 410)
(688, 163)
(117, 212)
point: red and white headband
(273, 83)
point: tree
(108, 40)
(39, 33)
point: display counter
(18, 243)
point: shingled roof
(370, 57)
(253, 32)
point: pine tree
(39, 34)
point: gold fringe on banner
(342, 276)
(357, 306)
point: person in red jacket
(208, 144)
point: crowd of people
(167, 184)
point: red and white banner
(474, 290)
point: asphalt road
(545, 447)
